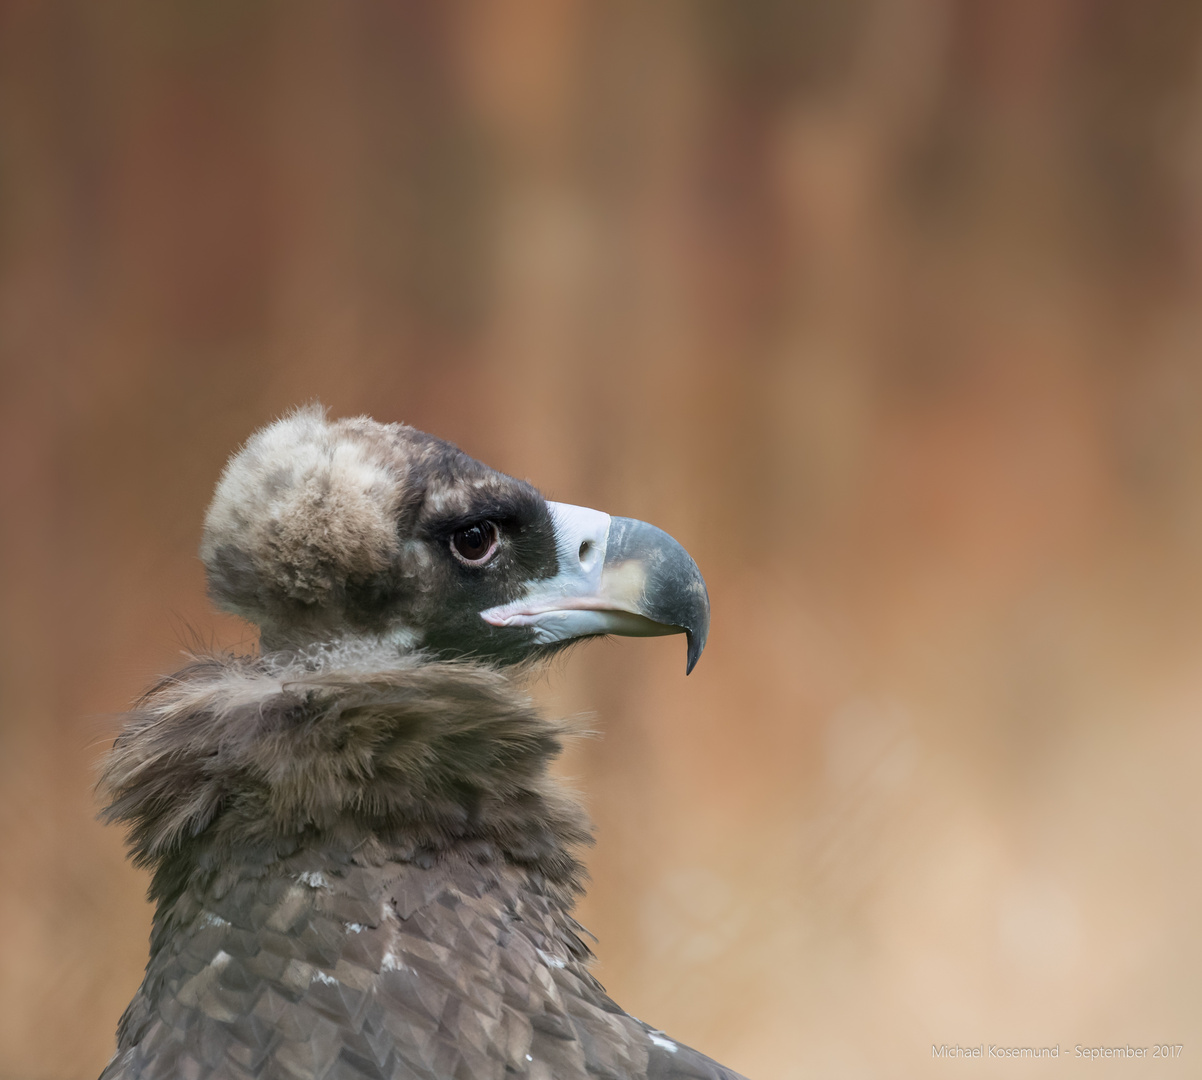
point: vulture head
(326, 530)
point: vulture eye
(476, 544)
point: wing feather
(383, 972)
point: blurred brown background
(890, 311)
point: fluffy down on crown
(303, 512)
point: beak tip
(694, 654)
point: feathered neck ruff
(350, 749)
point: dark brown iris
(475, 544)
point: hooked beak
(616, 576)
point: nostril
(585, 547)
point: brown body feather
(361, 869)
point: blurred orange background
(890, 311)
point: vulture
(360, 865)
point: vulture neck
(348, 752)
